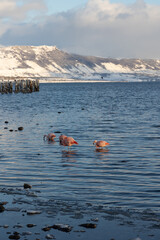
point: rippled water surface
(127, 115)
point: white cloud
(18, 10)
(100, 28)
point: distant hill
(49, 61)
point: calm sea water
(127, 115)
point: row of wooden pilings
(17, 86)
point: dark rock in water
(30, 225)
(14, 236)
(11, 130)
(57, 132)
(5, 127)
(62, 227)
(6, 122)
(3, 203)
(46, 229)
(26, 185)
(88, 225)
(2, 208)
(32, 212)
(59, 112)
(20, 128)
(82, 108)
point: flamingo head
(51, 136)
(94, 142)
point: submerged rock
(5, 226)
(88, 225)
(95, 219)
(20, 128)
(14, 236)
(30, 225)
(18, 226)
(3, 203)
(62, 227)
(2, 208)
(26, 233)
(46, 229)
(26, 185)
(50, 236)
(32, 212)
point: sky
(106, 28)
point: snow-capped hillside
(48, 61)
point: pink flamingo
(49, 137)
(68, 141)
(100, 144)
(61, 138)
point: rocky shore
(25, 215)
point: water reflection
(102, 154)
(51, 142)
(69, 158)
(102, 150)
(69, 154)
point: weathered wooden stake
(24, 86)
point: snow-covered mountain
(50, 62)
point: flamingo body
(100, 144)
(68, 141)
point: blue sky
(64, 5)
(107, 28)
(132, 1)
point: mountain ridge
(49, 61)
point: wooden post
(24, 86)
(30, 86)
(37, 85)
(16, 86)
(0, 87)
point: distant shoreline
(68, 80)
(98, 78)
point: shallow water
(127, 115)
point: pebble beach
(26, 216)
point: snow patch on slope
(111, 67)
(34, 68)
